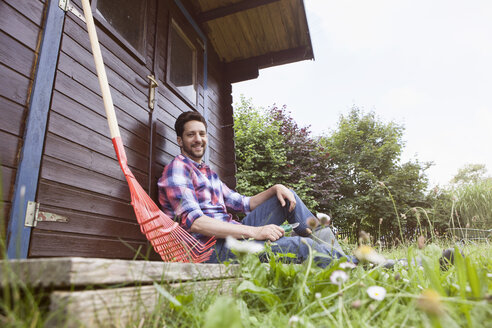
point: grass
(277, 294)
(283, 295)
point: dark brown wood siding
(80, 177)
(20, 27)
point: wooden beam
(63, 272)
(26, 183)
(232, 9)
(247, 69)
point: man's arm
(208, 226)
(282, 193)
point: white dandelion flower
(244, 246)
(347, 265)
(294, 319)
(376, 293)
(366, 253)
(338, 277)
(323, 218)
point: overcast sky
(424, 64)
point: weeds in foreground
(427, 295)
(278, 294)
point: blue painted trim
(18, 236)
(205, 61)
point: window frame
(175, 23)
(120, 38)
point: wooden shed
(63, 191)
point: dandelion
(338, 277)
(294, 319)
(324, 218)
(347, 265)
(244, 246)
(366, 253)
(421, 242)
(312, 223)
(364, 236)
(377, 293)
(317, 295)
(430, 302)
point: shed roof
(252, 34)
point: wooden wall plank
(110, 48)
(98, 124)
(90, 224)
(16, 87)
(87, 98)
(8, 179)
(83, 79)
(75, 199)
(79, 177)
(18, 26)
(9, 147)
(12, 117)
(46, 243)
(75, 154)
(124, 95)
(15, 55)
(81, 135)
(33, 10)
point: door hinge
(65, 5)
(34, 215)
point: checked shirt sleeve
(177, 186)
(235, 200)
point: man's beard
(196, 154)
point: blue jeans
(272, 212)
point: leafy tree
(260, 149)
(271, 148)
(470, 173)
(366, 154)
(309, 170)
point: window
(182, 64)
(126, 19)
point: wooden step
(92, 292)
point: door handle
(152, 85)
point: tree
(366, 154)
(260, 149)
(271, 148)
(309, 170)
(470, 173)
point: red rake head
(173, 243)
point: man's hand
(282, 194)
(270, 232)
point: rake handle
(101, 72)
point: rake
(170, 241)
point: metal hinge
(65, 5)
(34, 215)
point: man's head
(191, 131)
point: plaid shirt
(188, 190)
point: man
(191, 192)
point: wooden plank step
(67, 272)
(121, 306)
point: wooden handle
(101, 72)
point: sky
(424, 64)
